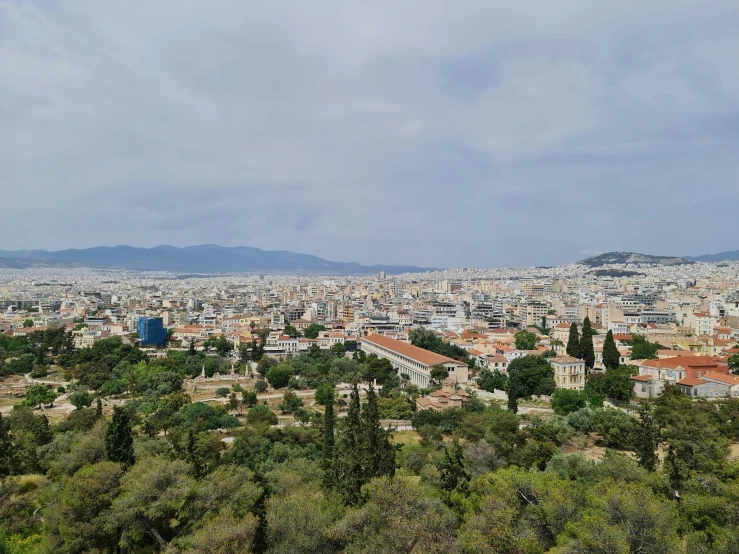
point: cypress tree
(6, 448)
(646, 439)
(349, 458)
(191, 351)
(329, 477)
(586, 345)
(611, 355)
(573, 343)
(119, 440)
(99, 407)
(379, 454)
(454, 476)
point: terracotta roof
(641, 377)
(728, 379)
(691, 381)
(409, 351)
(701, 314)
(565, 360)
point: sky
(434, 133)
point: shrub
(222, 392)
(261, 414)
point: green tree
(153, 492)
(492, 380)
(454, 476)
(312, 330)
(565, 401)
(526, 340)
(249, 398)
(642, 349)
(527, 376)
(573, 342)
(617, 382)
(291, 331)
(734, 364)
(439, 373)
(119, 439)
(27, 323)
(222, 392)
(611, 355)
(399, 516)
(38, 395)
(279, 376)
(83, 520)
(328, 462)
(324, 394)
(338, 350)
(646, 438)
(260, 385)
(586, 344)
(261, 414)
(233, 402)
(290, 402)
(379, 454)
(80, 399)
(6, 447)
(350, 454)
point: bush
(61, 390)
(581, 420)
(555, 430)
(39, 371)
(261, 414)
(566, 401)
(222, 392)
(279, 376)
(260, 385)
(616, 427)
(290, 402)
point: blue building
(152, 331)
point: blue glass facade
(152, 331)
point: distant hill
(730, 256)
(632, 258)
(205, 258)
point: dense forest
(164, 473)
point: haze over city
(380, 133)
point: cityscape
(341, 277)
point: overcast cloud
(416, 132)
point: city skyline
(377, 134)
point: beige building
(414, 361)
(569, 372)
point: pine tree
(329, 420)
(119, 440)
(646, 439)
(573, 343)
(611, 355)
(349, 455)
(586, 344)
(379, 454)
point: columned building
(412, 360)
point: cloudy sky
(466, 133)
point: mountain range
(205, 258)
(635, 258)
(730, 256)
